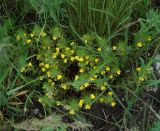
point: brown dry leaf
(22, 93)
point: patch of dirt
(156, 3)
(101, 117)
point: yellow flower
(110, 93)
(22, 70)
(67, 49)
(108, 69)
(52, 83)
(62, 56)
(110, 76)
(114, 47)
(77, 57)
(64, 86)
(65, 60)
(81, 59)
(28, 41)
(57, 49)
(81, 70)
(113, 104)
(92, 79)
(139, 44)
(86, 84)
(87, 107)
(103, 72)
(103, 88)
(54, 38)
(81, 87)
(96, 60)
(30, 64)
(76, 77)
(48, 74)
(141, 78)
(87, 62)
(58, 103)
(41, 78)
(105, 83)
(18, 37)
(49, 81)
(43, 69)
(32, 35)
(101, 99)
(41, 64)
(44, 34)
(72, 112)
(47, 66)
(95, 76)
(138, 69)
(80, 103)
(54, 55)
(72, 51)
(87, 57)
(118, 72)
(59, 77)
(93, 96)
(72, 43)
(72, 58)
(94, 67)
(40, 100)
(99, 49)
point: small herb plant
(77, 74)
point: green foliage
(77, 74)
(3, 99)
(51, 7)
(62, 66)
(74, 73)
(156, 126)
(103, 17)
(153, 19)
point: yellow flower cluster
(44, 66)
(65, 68)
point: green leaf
(3, 99)
(156, 126)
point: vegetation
(85, 65)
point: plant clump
(77, 74)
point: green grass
(102, 17)
(111, 21)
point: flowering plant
(77, 74)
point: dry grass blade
(35, 124)
(21, 93)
